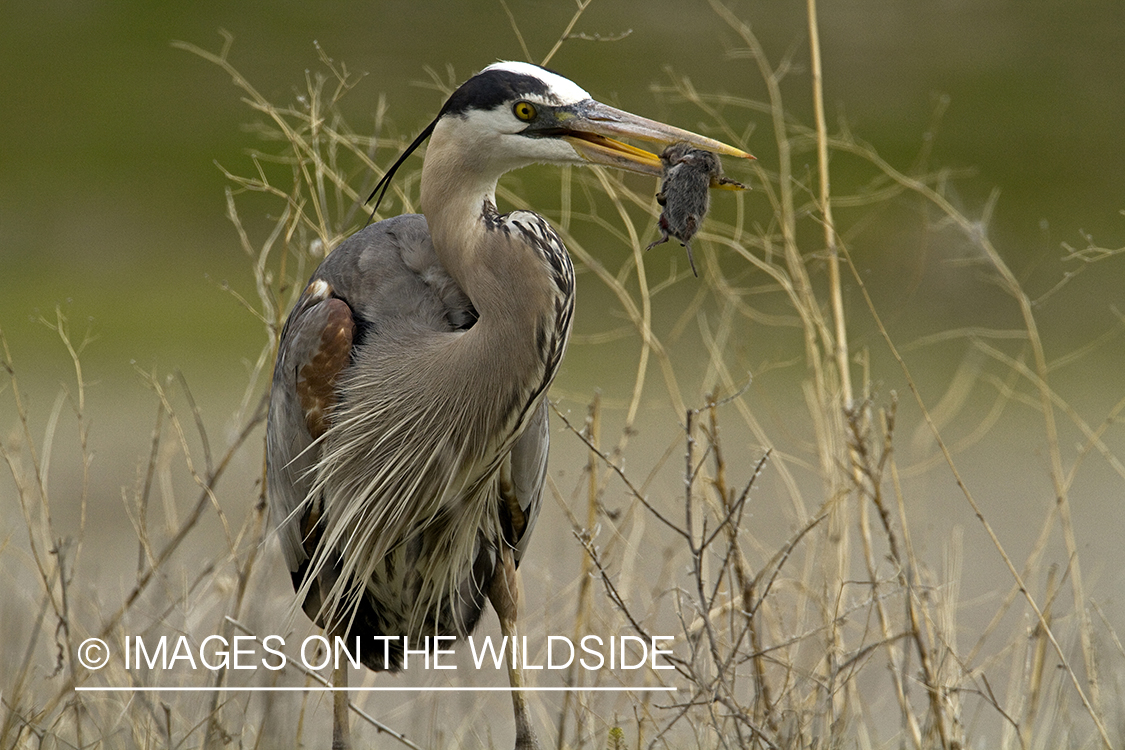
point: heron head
(512, 114)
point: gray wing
(383, 274)
(302, 395)
(529, 469)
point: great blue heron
(407, 436)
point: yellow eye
(524, 111)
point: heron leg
(341, 733)
(504, 596)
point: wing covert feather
(315, 348)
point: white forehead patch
(565, 89)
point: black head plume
(486, 90)
(383, 184)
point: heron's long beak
(592, 129)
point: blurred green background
(111, 206)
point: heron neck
(455, 206)
(507, 283)
(459, 202)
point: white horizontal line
(324, 689)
